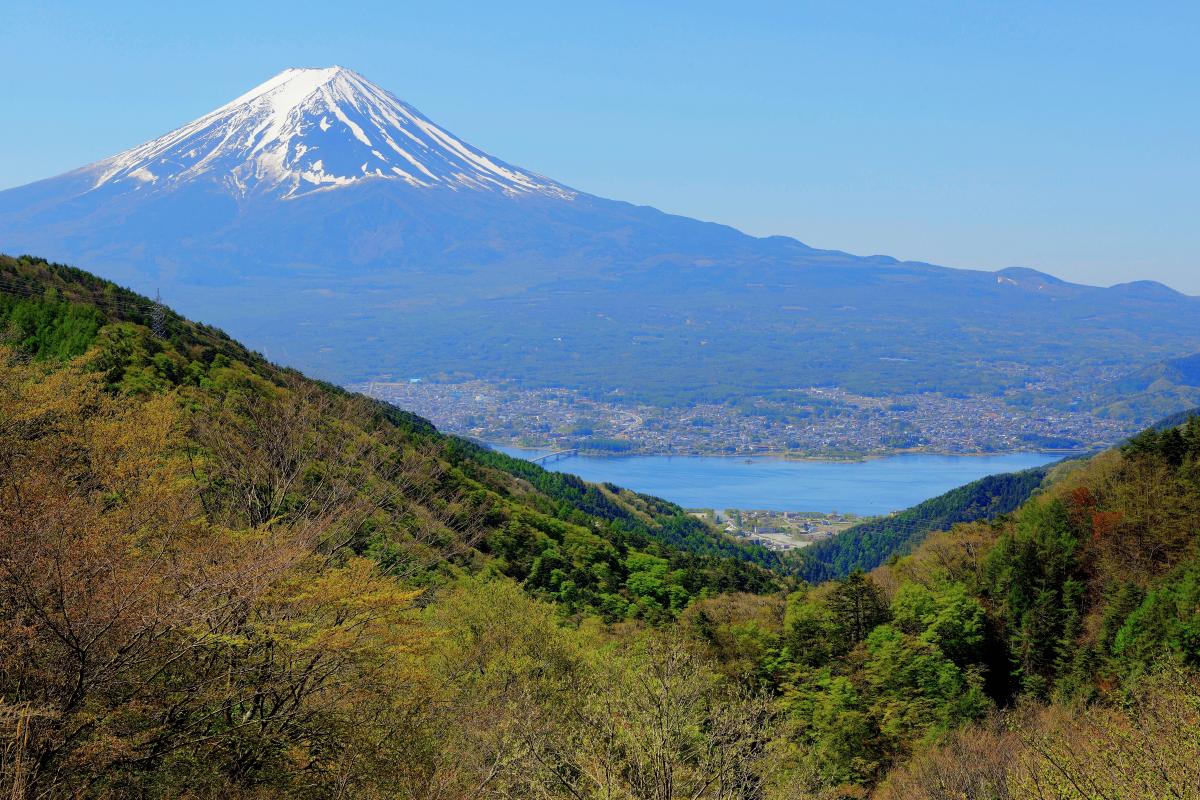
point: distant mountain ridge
(331, 224)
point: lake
(875, 486)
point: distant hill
(1165, 388)
(1177, 419)
(323, 220)
(872, 543)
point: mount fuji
(318, 171)
(310, 129)
(333, 225)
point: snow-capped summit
(306, 130)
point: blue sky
(1057, 135)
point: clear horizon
(1061, 139)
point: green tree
(857, 606)
(946, 616)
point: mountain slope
(220, 579)
(1078, 615)
(524, 521)
(869, 544)
(325, 221)
(1167, 387)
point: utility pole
(158, 317)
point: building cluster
(808, 422)
(778, 530)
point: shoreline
(789, 456)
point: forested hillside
(1175, 420)
(1092, 593)
(508, 508)
(219, 579)
(871, 543)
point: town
(777, 530)
(811, 422)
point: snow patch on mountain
(306, 130)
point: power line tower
(158, 317)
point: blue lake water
(869, 487)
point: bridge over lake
(557, 455)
